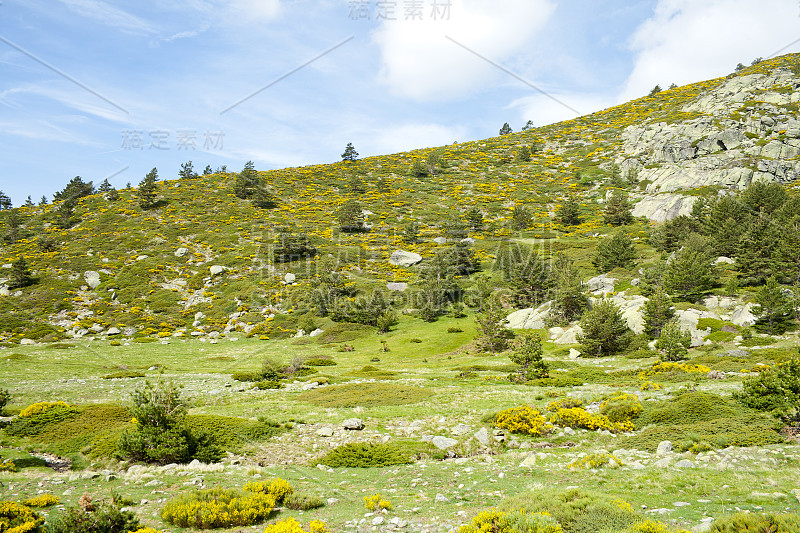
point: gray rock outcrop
(404, 259)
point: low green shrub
(319, 361)
(366, 455)
(365, 395)
(216, 508)
(5, 397)
(302, 502)
(344, 332)
(556, 381)
(756, 523)
(688, 408)
(124, 374)
(250, 377)
(268, 384)
(745, 430)
(758, 341)
(90, 517)
(513, 521)
(577, 511)
(35, 418)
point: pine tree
(673, 342)
(207, 170)
(657, 312)
(530, 280)
(75, 189)
(494, 336)
(521, 217)
(29, 201)
(247, 182)
(569, 292)
(569, 212)
(618, 210)
(523, 154)
(655, 90)
(604, 330)
(506, 129)
(615, 252)
(104, 187)
(410, 233)
(774, 309)
(528, 126)
(147, 190)
(528, 355)
(64, 214)
(351, 217)
(475, 219)
(5, 201)
(689, 274)
(20, 275)
(350, 153)
(43, 200)
(187, 171)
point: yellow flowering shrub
(42, 500)
(8, 466)
(212, 508)
(290, 525)
(17, 518)
(649, 385)
(376, 503)
(621, 407)
(41, 407)
(663, 367)
(276, 487)
(494, 521)
(524, 419)
(652, 526)
(147, 530)
(578, 417)
(564, 403)
(597, 460)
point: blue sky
(113, 88)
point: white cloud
(109, 15)
(688, 41)
(255, 10)
(419, 62)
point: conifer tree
(615, 252)
(187, 171)
(569, 212)
(528, 355)
(506, 129)
(350, 153)
(20, 275)
(618, 210)
(147, 190)
(657, 312)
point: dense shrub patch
(524, 419)
(18, 518)
(365, 455)
(213, 508)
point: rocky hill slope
(202, 261)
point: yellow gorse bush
(17, 518)
(598, 460)
(667, 367)
(290, 525)
(147, 530)
(577, 417)
(41, 407)
(494, 521)
(42, 500)
(564, 403)
(524, 419)
(212, 508)
(376, 502)
(276, 487)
